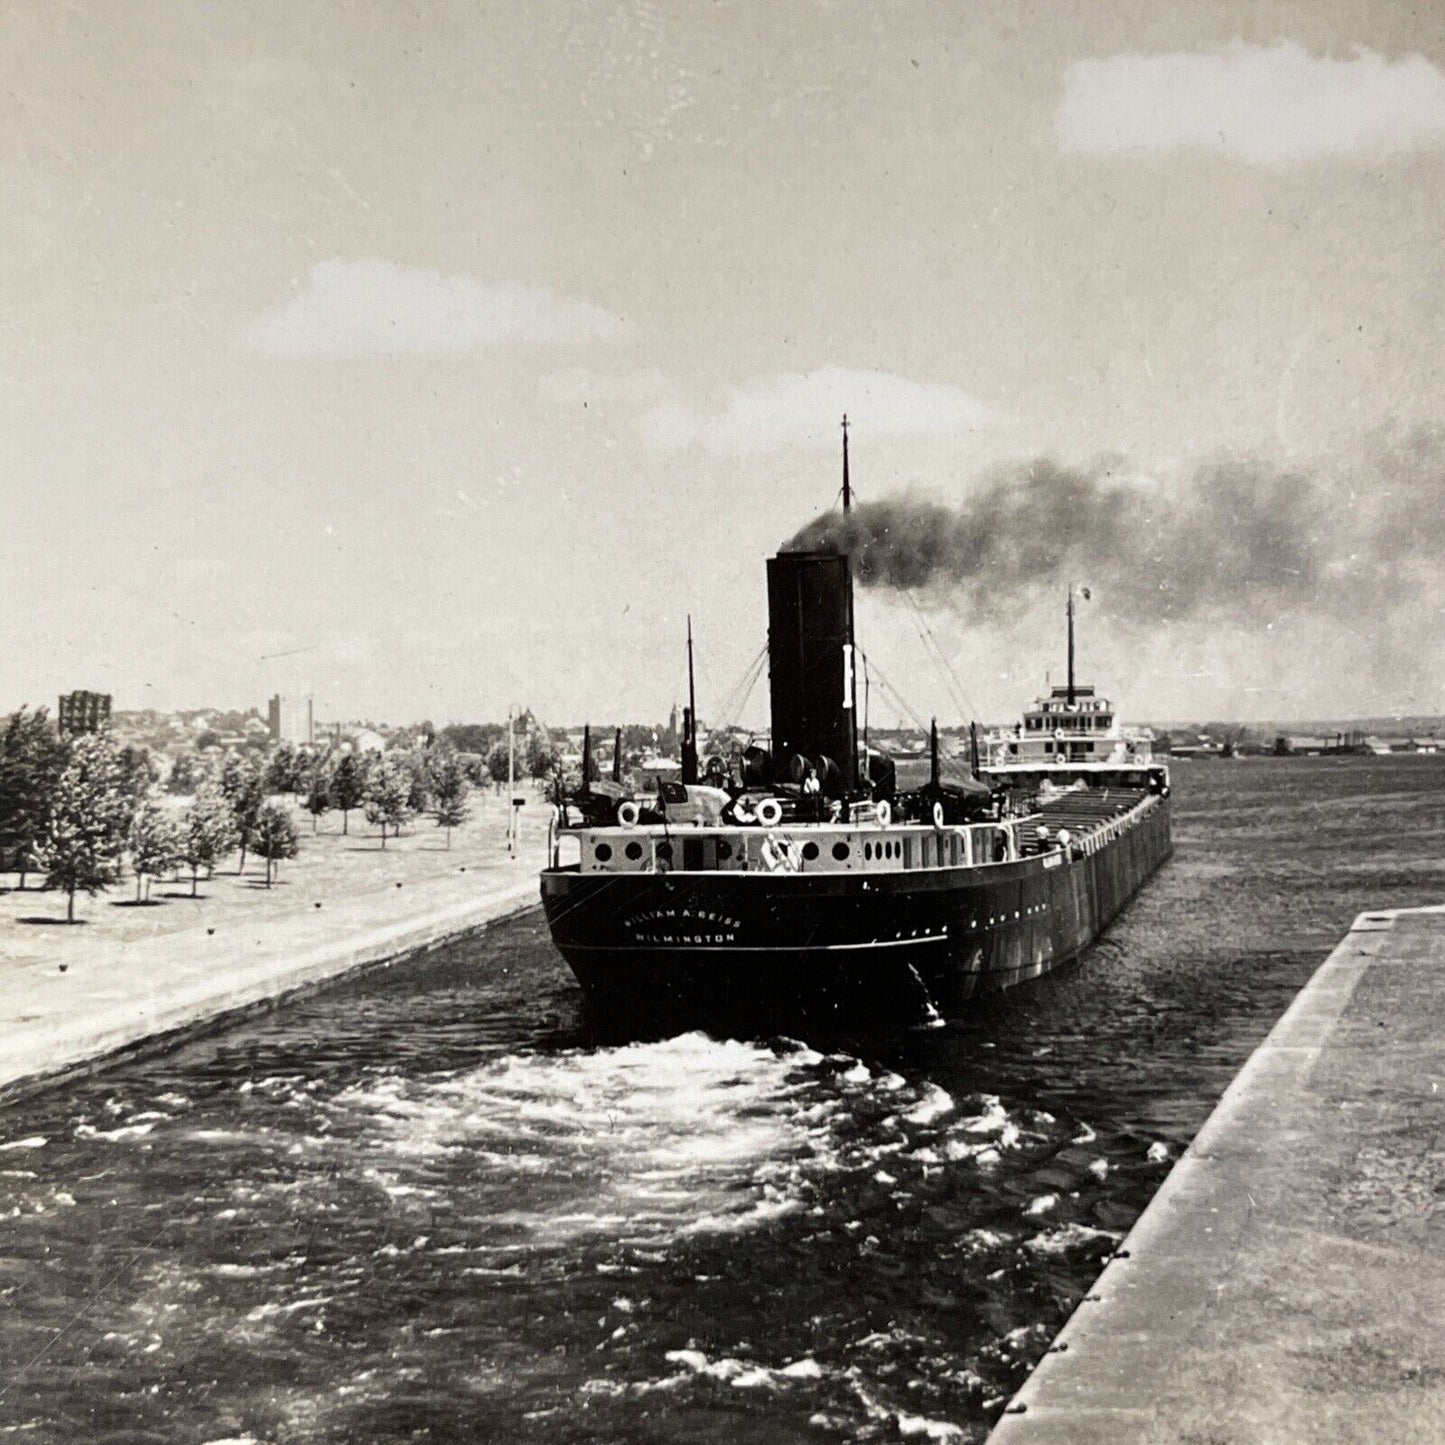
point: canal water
(424, 1206)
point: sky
(437, 359)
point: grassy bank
(332, 867)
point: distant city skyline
(435, 362)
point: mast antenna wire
(732, 705)
(961, 699)
(950, 763)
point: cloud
(578, 384)
(379, 308)
(1269, 105)
(803, 409)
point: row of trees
(75, 809)
(295, 770)
(391, 789)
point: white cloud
(803, 409)
(1267, 104)
(371, 308)
(578, 384)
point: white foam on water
(1042, 1204)
(907, 1424)
(1067, 1237)
(918, 1427)
(990, 1120)
(740, 1374)
(936, 1102)
(1099, 1168)
(650, 1141)
(271, 1309)
(126, 1131)
(1158, 1152)
(31, 1141)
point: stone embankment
(57, 1016)
(1287, 1283)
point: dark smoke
(1231, 539)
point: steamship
(802, 887)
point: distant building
(290, 721)
(367, 740)
(82, 712)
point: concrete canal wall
(1287, 1283)
(153, 991)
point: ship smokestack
(810, 668)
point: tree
(541, 759)
(31, 758)
(450, 791)
(419, 795)
(155, 845)
(348, 786)
(498, 765)
(477, 738)
(319, 800)
(387, 791)
(87, 820)
(283, 771)
(142, 772)
(275, 837)
(209, 833)
(187, 774)
(242, 787)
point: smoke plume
(1230, 538)
(1299, 585)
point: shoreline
(155, 993)
(1288, 1249)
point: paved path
(129, 994)
(1287, 1283)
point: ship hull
(751, 952)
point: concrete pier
(1287, 1283)
(155, 990)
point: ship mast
(850, 700)
(689, 717)
(1071, 644)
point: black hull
(769, 953)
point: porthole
(810, 851)
(867, 852)
(634, 851)
(602, 852)
(840, 851)
(724, 849)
